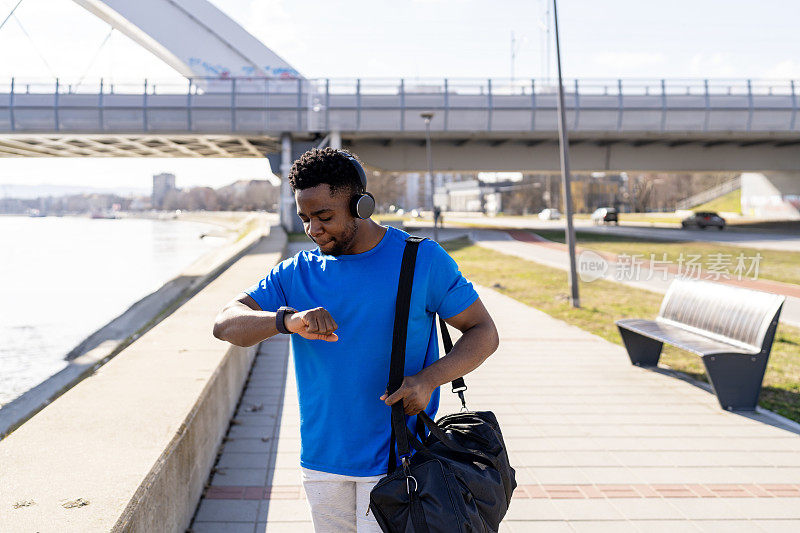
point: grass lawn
(774, 264)
(627, 217)
(731, 202)
(392, 217)
(603, 302)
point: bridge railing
(396, 86)
(377, 104)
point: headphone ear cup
(362, 205)
(369, 207)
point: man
(344, 293)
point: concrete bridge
(241, 99)
(477, 125)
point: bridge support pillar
(771, 194)
(288, 212)
(336, 140)
(290, 151)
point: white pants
(339, 503)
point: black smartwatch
(281, 316)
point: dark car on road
(703, 219)
(605, 215)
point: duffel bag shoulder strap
(458, 385)
(399, 336)
(398, 361)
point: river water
(62, 278)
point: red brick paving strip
(583, 492)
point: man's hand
(313, 324)
(415, 393)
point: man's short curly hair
(325, 166)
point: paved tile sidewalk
(599, 445)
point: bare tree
(641, 190)
(387, 187)
(525, 197)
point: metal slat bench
(730, 328)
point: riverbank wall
(130, 447)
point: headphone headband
(357, 166)
(361, 205)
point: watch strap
(281, 316)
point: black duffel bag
(459, 480)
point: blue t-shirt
(344, 425)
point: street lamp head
(427, 115)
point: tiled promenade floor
(599, 445)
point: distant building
(462, 196)
(418, 189)
(472, 195)
(162, 184)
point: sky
(609, 39)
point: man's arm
(478, 341)
(243, 323)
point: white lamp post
(427, 116)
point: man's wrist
(280, 318)
(427, 380)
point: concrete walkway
(598, 444)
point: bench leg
(642, 350)
(736, 378)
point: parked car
(605, 215)
(549, 214)
(703, 219)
